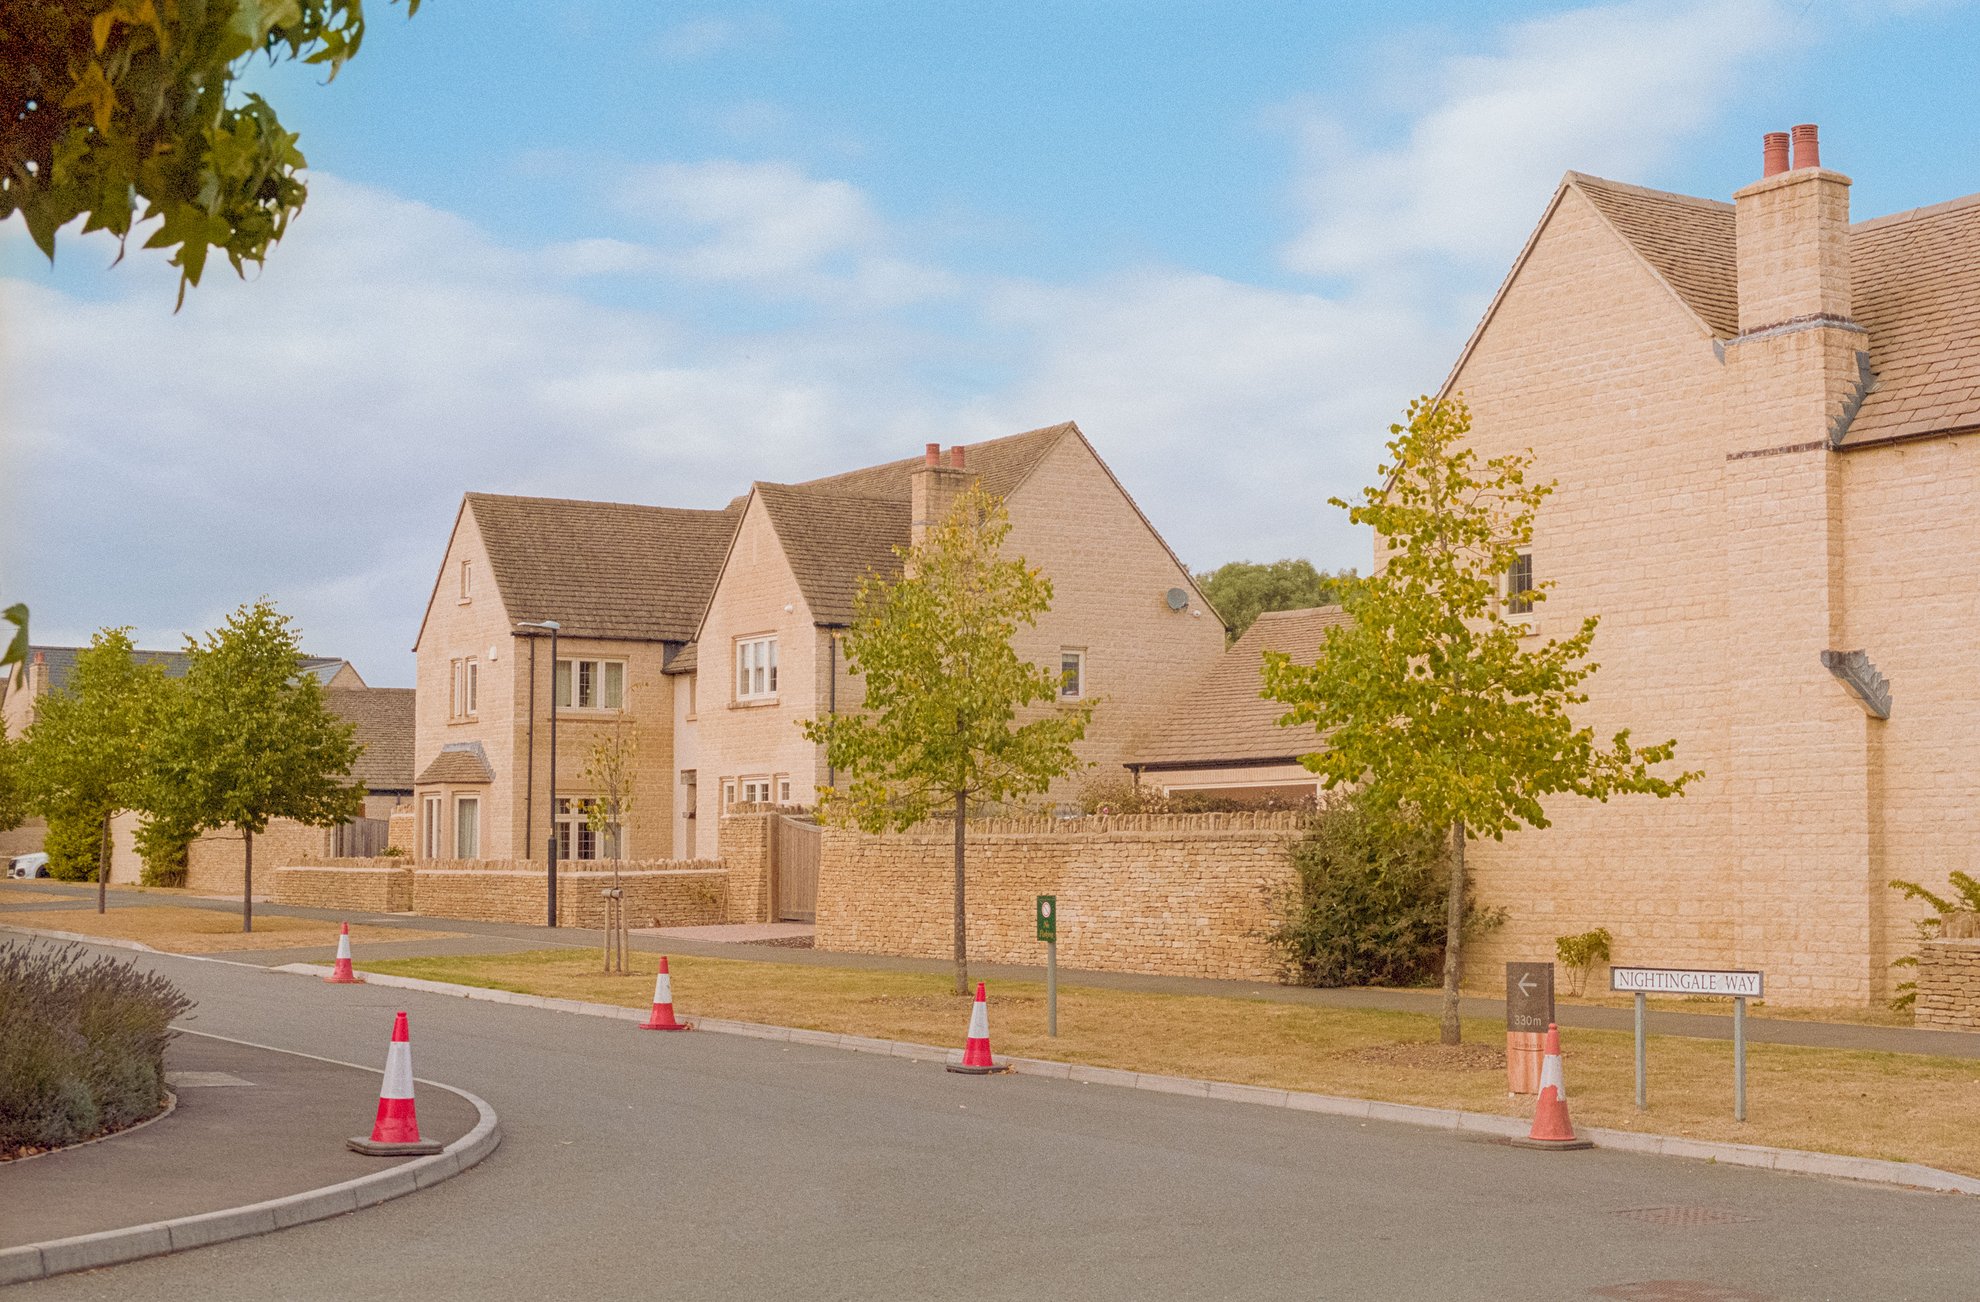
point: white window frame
(462, 804)
(581, 682)
(576, 840)
(756, 668)
(783, 789)
(728, 794)
(1076, 679)
(467, 582)
(433, 842)
(754, 790)
(1518, 612)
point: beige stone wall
(1110, 578)
(1186, 895)
(689, 893)
(735, 739)
(359, 888)
(1949, 985)
(402, 830)
(1700, 513)
(215, 861)
(745, 851)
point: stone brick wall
(744, 846)
(1173, 894)
(1949, 985)
(215, 862)
(673, 894)
(402, 829)
(357, 885)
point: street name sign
(1529, 996)
(1686, 981)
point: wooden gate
(361, 838)
(794, 844)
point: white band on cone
(979, 1022)
(344, 946)
(1550, 1074)
(663, 989)
(398, 1072)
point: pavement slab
(280, 1131)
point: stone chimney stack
(1793, 233)
(934, 488)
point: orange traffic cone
(663, 1004)
(1551, 1127)
(396, 1131)
(976, 1059)
(343, 976)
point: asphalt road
(712, 1166)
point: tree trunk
(1453, 1031)
(247, 880)
(962, 938)
(103, 866)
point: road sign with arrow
(1529, 996)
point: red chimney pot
(933, 456)
(1807, 150)
(956, 457)
(1774, 153)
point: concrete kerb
(1903, 1175)
(131, 1243)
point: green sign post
(1048, 931)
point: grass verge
(1901, 1107)
(181, 930)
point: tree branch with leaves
(1429, 699)
(952, 714)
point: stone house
(758, 595)
(1223, 739)
(1757, 414)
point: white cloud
(1610, 89)
(703, 38)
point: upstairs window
(1519, 584)
(756, 669)
(467, 581)
(591, 684)
(1072, 674)
(463, 699)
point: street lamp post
(553, 626)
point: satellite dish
(1178, 599)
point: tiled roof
(458, 762)
(384, 719)
(682, 661)
(604, 569)
(1687, 241)
(60, 662)
(832, 540)
(1915, 282)
(1224, 718)
(1001, 465)
(1914, 285)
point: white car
(28, 865)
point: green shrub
(1367, 904)
(82, 1044)
(1579, 954)
(163, 848)
(1966, 904)
(73, 845)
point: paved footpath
(249, 1125)
(714, 1166)
(504, 938)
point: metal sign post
(1738, 986)
(1048, 931)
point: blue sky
(653, 251)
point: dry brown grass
(205, 931)
(1898, 1106)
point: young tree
(610, 769)
(84, 756)
(945, 688)
(106, 103)
(251, 740)
(1243, 590)
(1428, 699)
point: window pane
(473, 686)
(467, 829)
(771, 652)
(564, 684)
(1520, 579)
(612, 685)
(1069, 673)
(742, 669)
